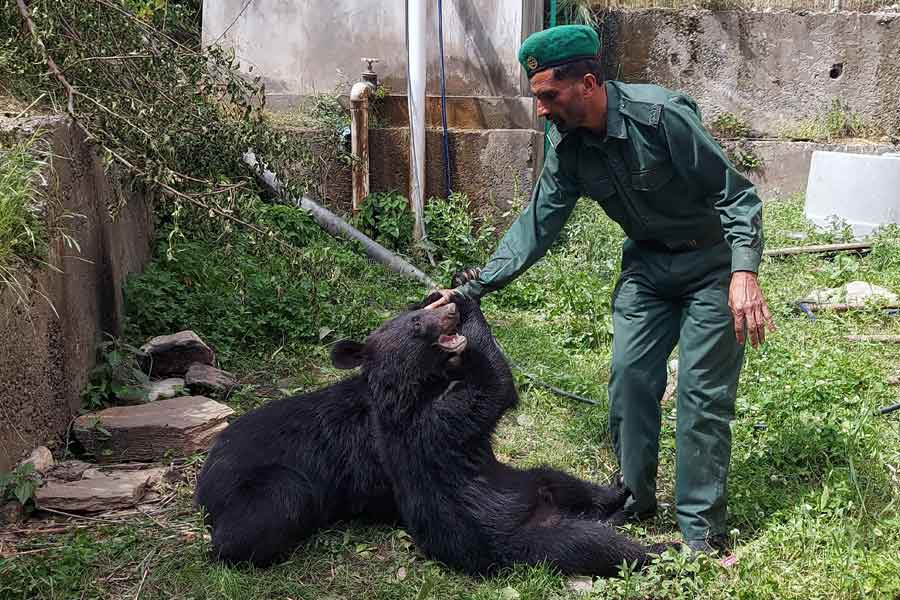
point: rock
(68, 470)
(11, 512)
(581, 584)
(202, 378)
(97, 493)
(41, 458)
(855, 293)
(149, 431)
(165, 388)
(173, 354)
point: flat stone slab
(147, 432)
(98, 491)
(173, 354)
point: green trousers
(661, 299)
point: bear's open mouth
(453, 343)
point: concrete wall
(47, 352)
(299, 47)
(771, 69)
(785, 165)
(494, 167)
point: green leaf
(25, 490)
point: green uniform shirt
(658, 173)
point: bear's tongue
(452, 343)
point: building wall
(305, 47)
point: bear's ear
(347, 354)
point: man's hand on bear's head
(439, 298)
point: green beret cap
(557, 46)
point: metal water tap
(369, 75)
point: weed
(456, 239)
(22, 236)
(20, 483)
(730, 125)
(117, 376)
(746, 159)
(386, 218)
(838, 122)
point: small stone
(581, 584)
(41, 458)
(202, 378)
(68, 470)
(525, 421)
(165, 388)
(173, 354)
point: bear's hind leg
(577, 497)
(580, 547)
(265, 518)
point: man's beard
(560, 123)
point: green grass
(20, 218)
(815, 479)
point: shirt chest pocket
(653, 178)
(602, 190)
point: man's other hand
(749, 308)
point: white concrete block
(861, 189)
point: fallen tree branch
(818, 249)
(54, 69)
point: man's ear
(347, 354)
(589, 83)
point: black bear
(290, 467)
(439, 384)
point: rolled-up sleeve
(698, 158)
(533, 232)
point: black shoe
(622, 517)
(712, 546)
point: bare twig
(82, 517)
(818, 249)
(890, 339)
(843, 307)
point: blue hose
(444, 100)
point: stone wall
(50, 336)
(771, 69)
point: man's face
(562, 102)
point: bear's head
(414, 346)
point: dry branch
(818, 249)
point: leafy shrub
(386, 218)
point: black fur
(290, 467)
(434, 423)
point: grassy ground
(814, 488)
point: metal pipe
(359, 140)
(416, 11)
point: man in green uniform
(694, 227)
